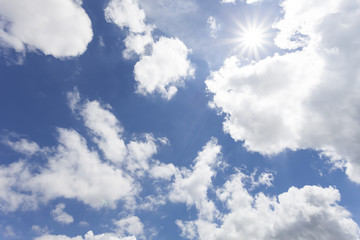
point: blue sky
(193, 119)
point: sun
(252, 40)
(252, 36)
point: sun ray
(251, 37)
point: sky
(192, 119)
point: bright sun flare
(252, 40)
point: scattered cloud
(26, 26)
(163, 171)
(191, 185)
(228, 1)
(165, 69)
(73, 170)
(264, 179)
(88, 236)
(83, 223)
(22, 146)
(252, 1)
(163, 64)
(10, 232)
(214, 27)
(288, 101)
(247, 1)
(126, 13)
(11, 196)
(60, 216)
(310, 212)
(136, 43)
(40, 230)
(129, 226)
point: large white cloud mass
(307, 98)
(73, 170)
(226, 211)
(165, 65)
(308, 213)
(232, 211)
(311, 212)
(55, 27)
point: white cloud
(136, 43)
(10, 233)
(73, 170)
(23, 146)
(11, 196)
(247, 1)
(126, 13)
(301, 20)
(264, 179)
(165, 69)
(55, 27)
(191, 186)
(228, 1)
(163, 171)
(83, 223)
(252, 1)
(163, 64)
(60, 216)
(108, 134)
(139, 153)
(308, 213)
(214, 27)
(88, 236)
(129, 226)
(40, 230)
(106, 129)
(303, 99)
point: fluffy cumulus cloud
(191, 185)
(60, 215)
(163, 64)
(73, 170)
(306, 98)
(60, 28)
(126, 13)
(310, 212)
(164, 69)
